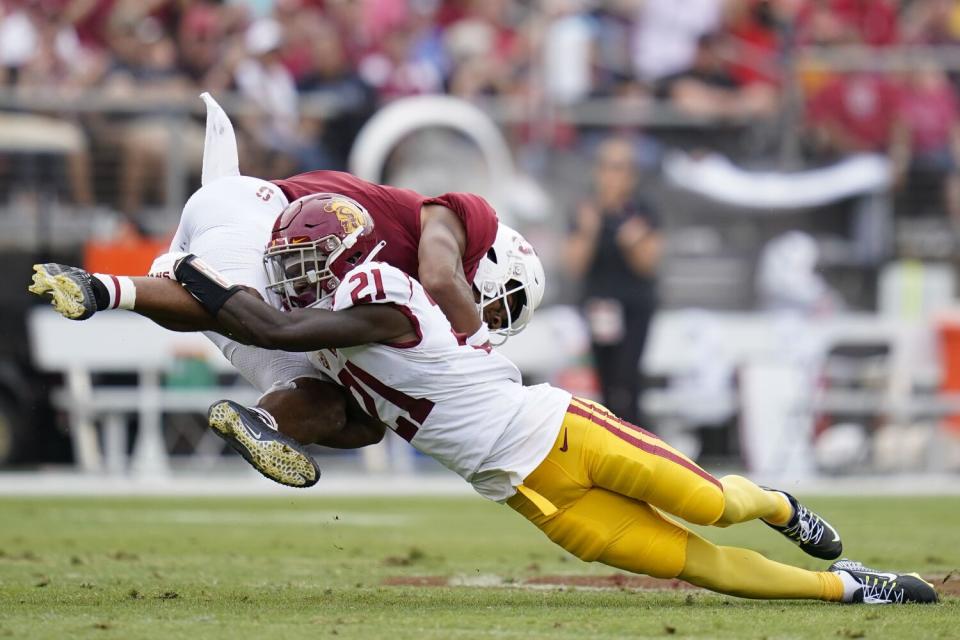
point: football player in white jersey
(596, 485)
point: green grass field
(318, 568)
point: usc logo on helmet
(351, 217)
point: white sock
(122, 291)
(268, 419)
(850, 585)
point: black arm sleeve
(204, 284)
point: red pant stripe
(640, 444)
(609, 416)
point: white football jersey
(228, 223)
(463, 406)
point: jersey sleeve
(479, 221)
(373, 283)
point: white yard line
(71, 483)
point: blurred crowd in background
(676, 154)
(695, 60)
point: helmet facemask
(513, 296)
(298, 273)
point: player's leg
(607, 527)
(313, 411)
(745, 500)
(626, 459)
(601, 525)
(306, 411)
(747, 574)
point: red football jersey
(396, 215)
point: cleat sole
(273, 459)
(67, 298)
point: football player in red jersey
(437, 240)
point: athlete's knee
(308, 411)
(705, 505)
(657, 551)
(582, 540)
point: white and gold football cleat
(70, 289)
(869, 586)
(276, 456)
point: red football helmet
(316, 240)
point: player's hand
(631, 232)
(480, 340)
(589, 220)
(163, 266)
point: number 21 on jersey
(363, 291)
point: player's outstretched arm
(249, 320)
(171, 306)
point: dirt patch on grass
(947, 585)
(610, 581)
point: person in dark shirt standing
(614, 248)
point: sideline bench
(123, 343)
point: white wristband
(481, 337)
(120, 289)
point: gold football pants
(604, 491)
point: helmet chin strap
(376, 250)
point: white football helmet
(510, 268)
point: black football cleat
(276, 456)
(885, 587)
(71, 289)
(810, 532)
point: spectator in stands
(614, 248)
(853, 113)
(754, 42)
(709, 89)
(330, 77)
(871, 22)
(933, 22)
(200, 48)
(475, 69)
(667, 32)
(39, 55)
(266, 83)
(928, 148)
(875, 22)
(613, 68)
(145, 72)
(395, 70)
(568, 53)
